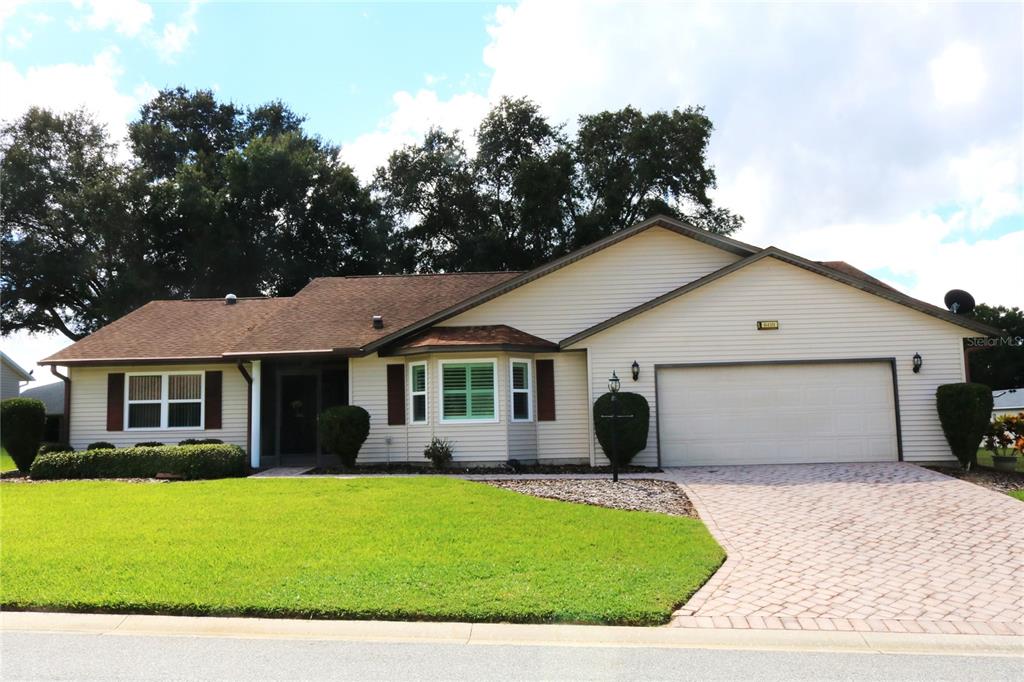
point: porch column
(254, 418)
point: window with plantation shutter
(468, 391)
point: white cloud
(177, 34)
(66, 87)
(16, 41)
(958, 75)
(8, 9)
(877, 134)
(412, 117)
(127, 17)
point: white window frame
(440, 390)
(512, 390)
(425, 392)
(165, 401)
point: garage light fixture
(636, 370)
(918, 361)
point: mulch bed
(663, 497)
(1000, 481)
(402, 468)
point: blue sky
(890, 136)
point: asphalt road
(35, 656)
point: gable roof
(15, 367)
(51, 394)
(477, 337)
(671, 224)
(864, 282)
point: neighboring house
(52, 396)
(1008, 401)
(11, 376)
(746, 355)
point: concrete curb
(510, 634)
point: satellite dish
(959, 302)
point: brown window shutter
(396, 395)
(545, 390)
(213, 399)
(115, 401)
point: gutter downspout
(255, 400)
(248, 407)
(65, 425)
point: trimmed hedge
(22, 425)
(343, 430)
(630, 433)
(54, 447)
(187, 461)
(965, 411)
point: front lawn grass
(431, 548)
(6, 463)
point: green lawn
(1019, 494)
(424, 548)
(6, 463)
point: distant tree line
(208, 197)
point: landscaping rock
(1000, 481)
(663, 497)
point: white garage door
(777, 414)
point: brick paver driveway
(885, 547)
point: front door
(299, 409)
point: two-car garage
(777, 413)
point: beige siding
(89, 408)
(565, 438)
(599, 286)
(10, 382)
(819, 319)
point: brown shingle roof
(330, 314)
(477, 337)
(846, 268)
(189, 329)
(336, 313)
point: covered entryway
(777, 413)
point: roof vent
(230, 299)
(378, 322)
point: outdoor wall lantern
(636, 370)
(918, 361)
(613, 384)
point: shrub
(55, 447)
(964, 412)
(343, 430)
(22, 424)
(186, 461)
(200, 441)
(1005, 435)
(630, 432)
(148, 444)
(439, 452)
(101, 445)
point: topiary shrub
(101, 445)
(964, 412)
(54, 447)
(184, 461)
(439, 452)
(630, 432)
(148, 444)
(200, 441)
(343, 430)
(22, 425)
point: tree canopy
(999, 363)
(206, 197)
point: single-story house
(11, 377)
(1008, 401)
(52, 397)
(746, 355)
